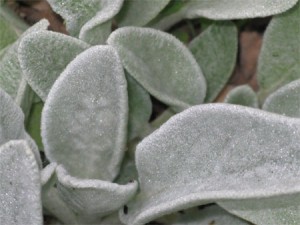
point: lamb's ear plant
(106, 163)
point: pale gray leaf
(285, 101)
(215, 152)
(139, 12)
(112, 219)
(279, 61)
(98, 28)
(93, 199)
(161, 64)
(215, 49)
(43, 55)
(242, 95)
(140, 108)
(84, 120)
(20, 185)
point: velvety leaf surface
(112, 219)
(98, 28)
(279, 60)
(44, 55)
(20, 185)
(84, 120)
(139, 12)
(215, 50)
(140, 107)
(285, 101)
(161, 64)
(215, 152)
(93, 199)
(242, 95)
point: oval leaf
(215, 50)
(44, 55)
(242, 95)
(93, 199)
(20, 185)
(161, 64)
(214, 152)
(86, 131)
(279, 61)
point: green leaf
(216, 152)
(139, 12)
(84, 120)
(242, 95)
(98, 28)
(140, 108)
(161, 64)
(20, 185)
(279, 61)
(93, 199)
(43, 55)
(285, 101)
(215, 50)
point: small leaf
(86, 132)
(161, 64)
(43, 55)
(140, 108)
(285, 101)
(139, 12)
(98, 28)
(215, 152)
(279, 61)
(242, 95)
(20, 185)
(215, 50)
(93, 199)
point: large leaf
(97, 30)
(93, 199)
(215, 50)
(44, 55)
(216, 152)
(242, 95)
(20, 185)
(279, 60)
(139, 12)
(285, 101)
(161, 64)
(225, 10)
(84, 120)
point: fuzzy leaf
(215, 50)
(215, 152)
(139, 12)
(97, 30)
(161, 64)
(86, 132)
(279, 61)
(93, 199)
(20, 185)
(242, 95)
(285, 101)
(140, 108)
(44, 55)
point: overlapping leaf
(279, 61)
(215, 50)
(242, 95)
(20, 185)
(214, 152)
(44, 55)
(84, 120)
(161, 64)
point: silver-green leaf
(242, 95)
(20, 186)
(84, 120)
(215, 50)
(161, 64)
